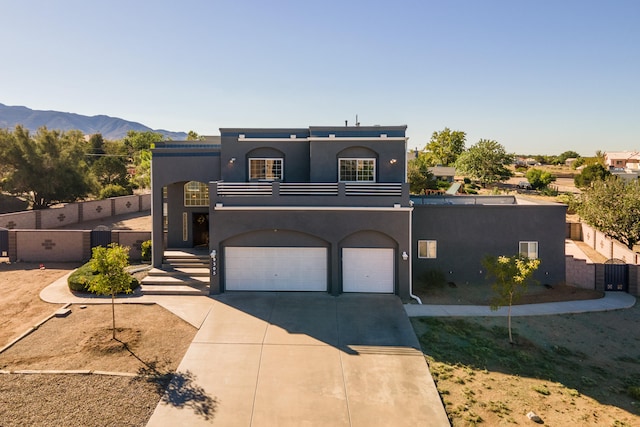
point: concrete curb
(33, 328)
(68, 372)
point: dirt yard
(151, 343)
(571, 370)
(474, 294)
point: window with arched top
(196, 194)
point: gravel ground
(75, 400)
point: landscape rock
(534, 417)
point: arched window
(196, 194)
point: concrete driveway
(304, 359)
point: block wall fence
(33, 237)
(589, 275)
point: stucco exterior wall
(465, 234)
(333, 229)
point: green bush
(114, 190)
(79, 280)
(145, 249)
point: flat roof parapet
(478, 200)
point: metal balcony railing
(308, 189)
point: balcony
(310, 194)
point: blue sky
(538, 76)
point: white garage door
(367, 270)
(275, 269)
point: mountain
(110, 127)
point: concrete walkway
(611, 301)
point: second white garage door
(367, 270)
(275, 269)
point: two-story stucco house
(311, 209)
(328, 209)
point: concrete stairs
(183, 272)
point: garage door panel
(275, 269)
(368, 270)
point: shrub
(79, 280)
(114, 190)
(145, 249)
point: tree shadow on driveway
(178, 389)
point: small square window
(427, 248)
(529, 249)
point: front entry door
(200, 229)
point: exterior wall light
(232, 160)
(393, 161)
(405, 256)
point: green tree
(613, 207)
(137, 140)
(46, 168)
(193, 136)
(96, 148)
(139, 145)
(485, 161)
(142, 175)
(109, 169)
(419, 176)
(445, 147)
(601, 157)
(539, 179)
(562, 158)
(512, 275)
(112, 278)
(590, 174)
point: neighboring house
(443, 173)
(623, 160)
(328, 209)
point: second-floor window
(265, 169)
(357, 170)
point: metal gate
(4, 242)
(616, 275)
(100, 238)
